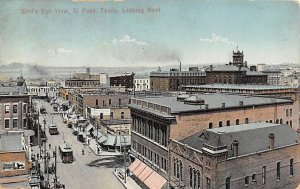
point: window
(280, 121)
(228, 123)
(101, 115)
(15, 123)
(25, 108)
(109, 101)
(15, 108)
(270, 121)
(207, 183)
(220, 124)
(287, 122)
(199, 179)
(291, 167)
(237, 121)
(291, 112)
(287, 113)
(97, 102)
(191, 177)
(227, 183)
(6, 109)
(180, 170)
(246, 180)
(210, 125)
(122, 115)
(246, 120)
(254, 178)
(6, 125)
(175, 166)
(120, 102)
(291, 123)
(129, 101)
(277, 121)
(111, 115)
(278, 171)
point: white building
(142, 84)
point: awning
(111, 140)
(102, 139)
(147, 175)
(89, 127)
(123, 140)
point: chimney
(240, 67)
(235, 144)
(241, 103)
(223, 105)
(271, 140)
(88, 71)
(211, 67)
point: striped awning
(147, 175)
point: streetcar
(43, 110)
(53, 130)
(66, 153)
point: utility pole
(55, 168)
(125, 172)
(97, 139)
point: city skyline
(152, 33)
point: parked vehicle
(43, 110)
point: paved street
(87, 171)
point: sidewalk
(130, 183)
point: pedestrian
(82, 151)
(88, 141)
(49, 146)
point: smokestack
(88, 71)
(271, 140)
(179, 65)
(235, 144)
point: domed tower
(238, 58)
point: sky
(120, 33)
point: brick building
(157, 119)
(174, 79)
(15, 153)
(122, 80)
(14, 101)
(257, 155)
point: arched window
(237, 121)
(180, 170)
(277, 121)
(96, 102)
(280, 121)
(246, 120)
(270, 121)
(199, 179)
(220, 124)
(210, 125)
(174, 162)
(287, 113)
(228, 123)
(191, 177)
(195, 179)
(291, 123)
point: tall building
(14, 101)
(256, 155)
(157, 119)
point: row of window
(289, 112)
(151, 130)
(264, 174)
(14, 122)
(14, 108)
(109, 102)
(237, 122)
(80, 83)
(161, 162)
(112, 115)
(35, 90)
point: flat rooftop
(243, 87)
(213, 100)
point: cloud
(126, 39)
(59, 50)
(217, 39)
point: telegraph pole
(55, 169)
(125, 172)
(97, 140)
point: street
(86, 171)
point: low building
(157, 119)
(15, 153)
(142, 84)
(274, 77)
(122, 80)
(257, 155)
